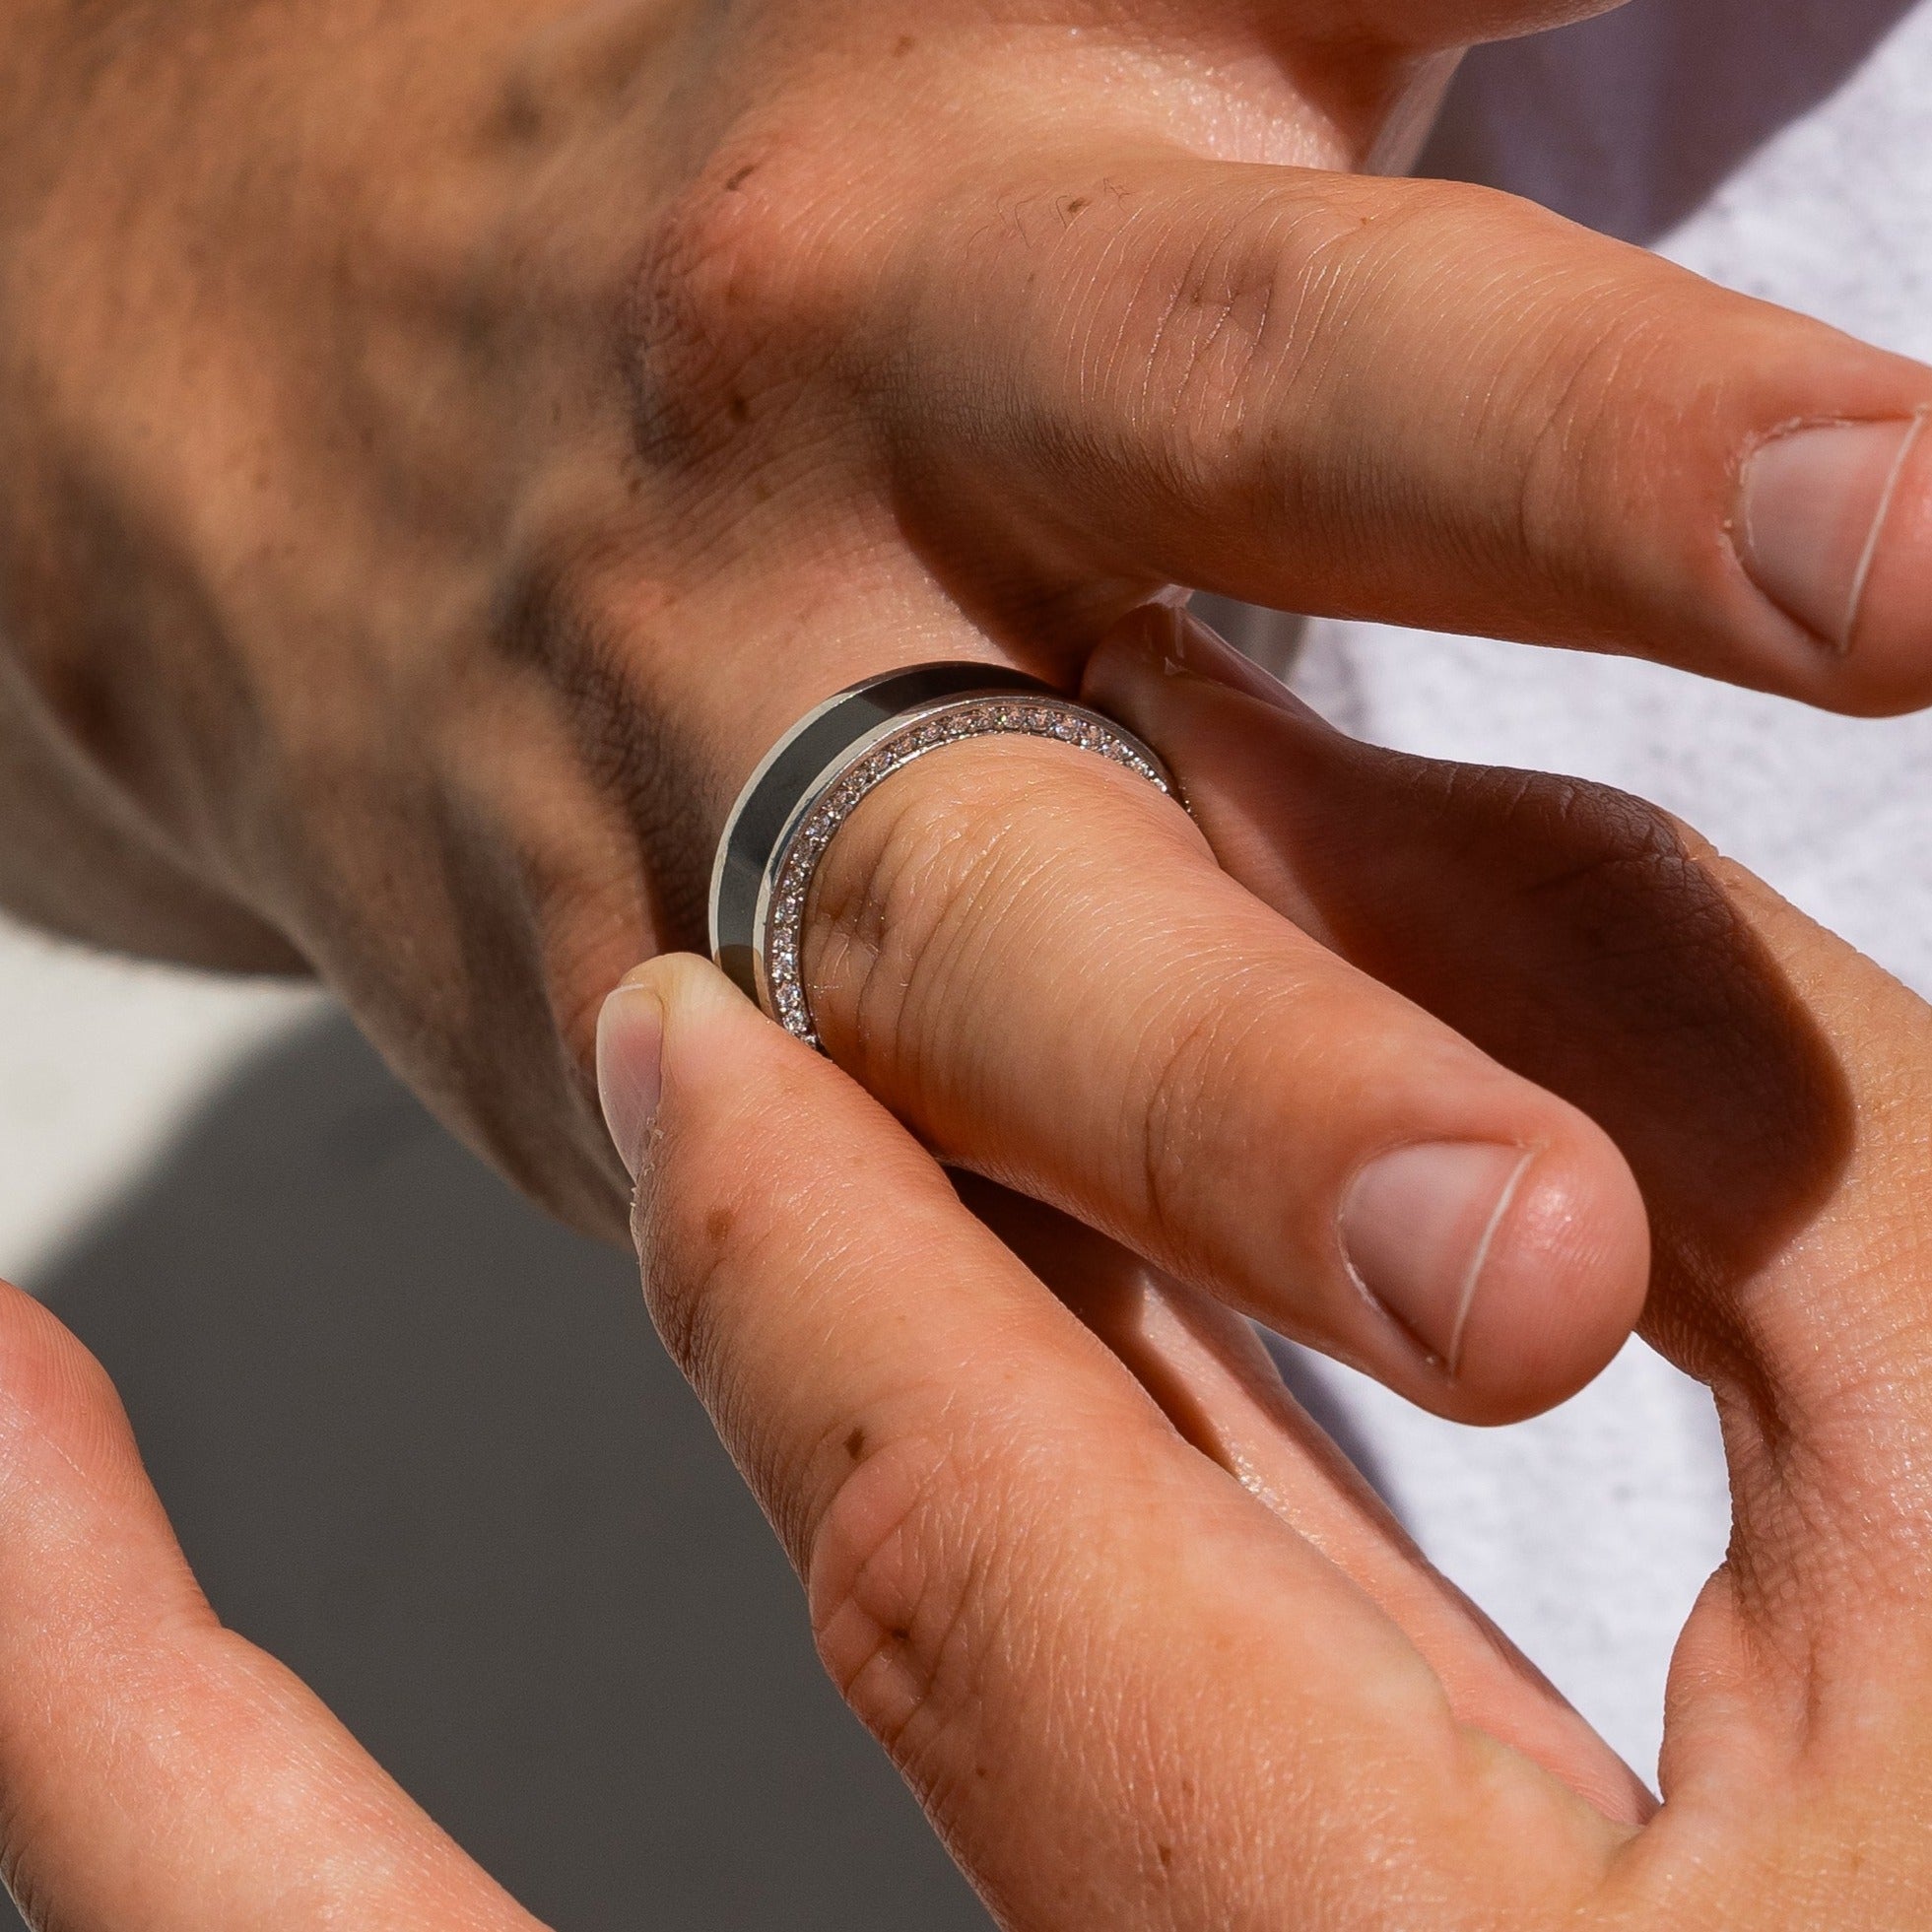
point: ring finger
(1036, 961)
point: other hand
(1146, 1651)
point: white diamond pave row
(814, 778)
(972, 717)
(951, 724)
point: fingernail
(1416, 1227)
(1813, 505)
(629, 1079)
(1189, 646)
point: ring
(812, 779)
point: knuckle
(909, 897)
(1634, 907)
(1620, 871)
(1573, 827)
(1212, 326)
(699, 282)
(893, 1595)
(741, 292)
(578, 630)
(1221, 335)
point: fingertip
(1833, 527)
(1885, 663)
(1507, 1244)
(1562, 1284)
(676, 991)
(51, 1387)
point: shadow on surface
(423, 1445)
(1629, 121)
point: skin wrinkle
(883, 1607)
(1233, 406)
(934, 876)
(985, 870)
(898, 1617)
(1186, 1067)
(979, 917)
(1331, 283)
(973, 958)
(910, 856)
(1600, 373)
(938, 1664)
(1123, 337)
(1305, 277)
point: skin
(447, 444)
(1147, 1652)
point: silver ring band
(812, 779)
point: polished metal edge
(795, 769)
(772, 945)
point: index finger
(1126, 1692)
(1423, 403)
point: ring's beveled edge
(814, 779)
(819, 740)
(785, 847)
(778, 944)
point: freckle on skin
(717, 1224)
(902, 47)
(743, 175)
(855, 1444)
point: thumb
(157, 1770)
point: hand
(448, 444)
(1148, 1653)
